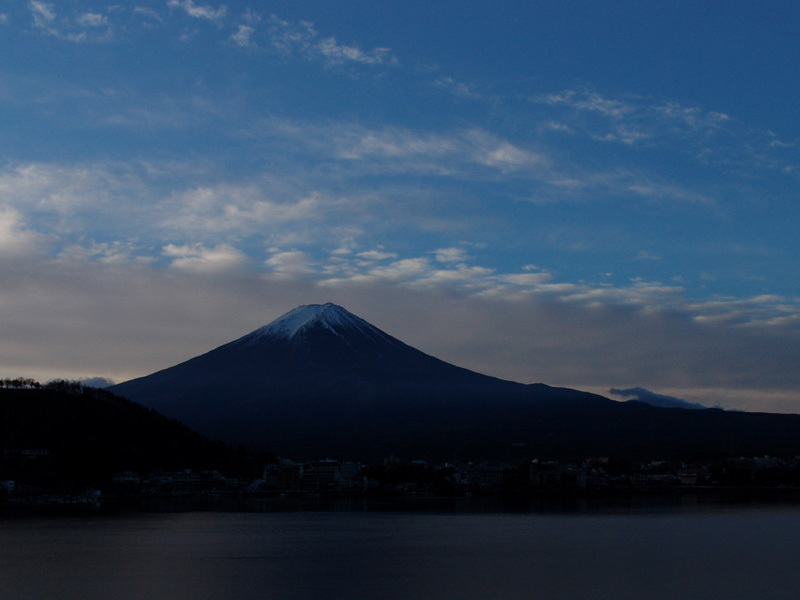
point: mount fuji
(320, 381)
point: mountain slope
(88, 434)
(321, 381)
(320, 367)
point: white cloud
(148, 12)
(243, 36)
(301, 38)
(474, 154)
(645, 255)
(198, 258)
(290, 263)
(631, 120)
(692, 117)
(585, 100)
(116, 253)
(95, 200)
(457, 152)
(203, 11)
(758, 311)
(705, 137)
(643, 297)
(659, 191)
(531, 280)
(470, 154)
(241, 208)
(14, 238)
(460, 275)
(93, 20)
(337, 54)
(457, 88)
(288, 38)
(375, 255)
(506, 156)
(357, 144)
(400, 270)
(50, 188)
(86, 27)
(43, 13)
(451, 255)
(557, 126)
(623, 134)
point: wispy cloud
(113, 253)
(451, 255)
(335, 53)
(654, 191)
(376, 255)
(692, 117)
(148, 13)
(302, 39)
(763, 310)
(586, 100)
(705, 136)
(477, 154)
(200, 259)
(15, 239)
(43, 13)
(93, 20)
(200, 11)
(291, 263)
(243, 36)
(232, 208)
(646, 297)
(446, 154)
(456, 88)
(644, 255)
(80, 27)
(54, 189)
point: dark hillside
(73, 436)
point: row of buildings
(420, 477)
(423, 479)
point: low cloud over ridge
(640, 394)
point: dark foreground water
(751, 554)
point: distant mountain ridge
(320, 381)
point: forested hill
(65, 435)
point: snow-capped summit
(319, 379)
(329, 316)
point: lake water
(730, 554)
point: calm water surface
(731, 554)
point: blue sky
(594, 195)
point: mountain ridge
(321, 381)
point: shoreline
(633, 501)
